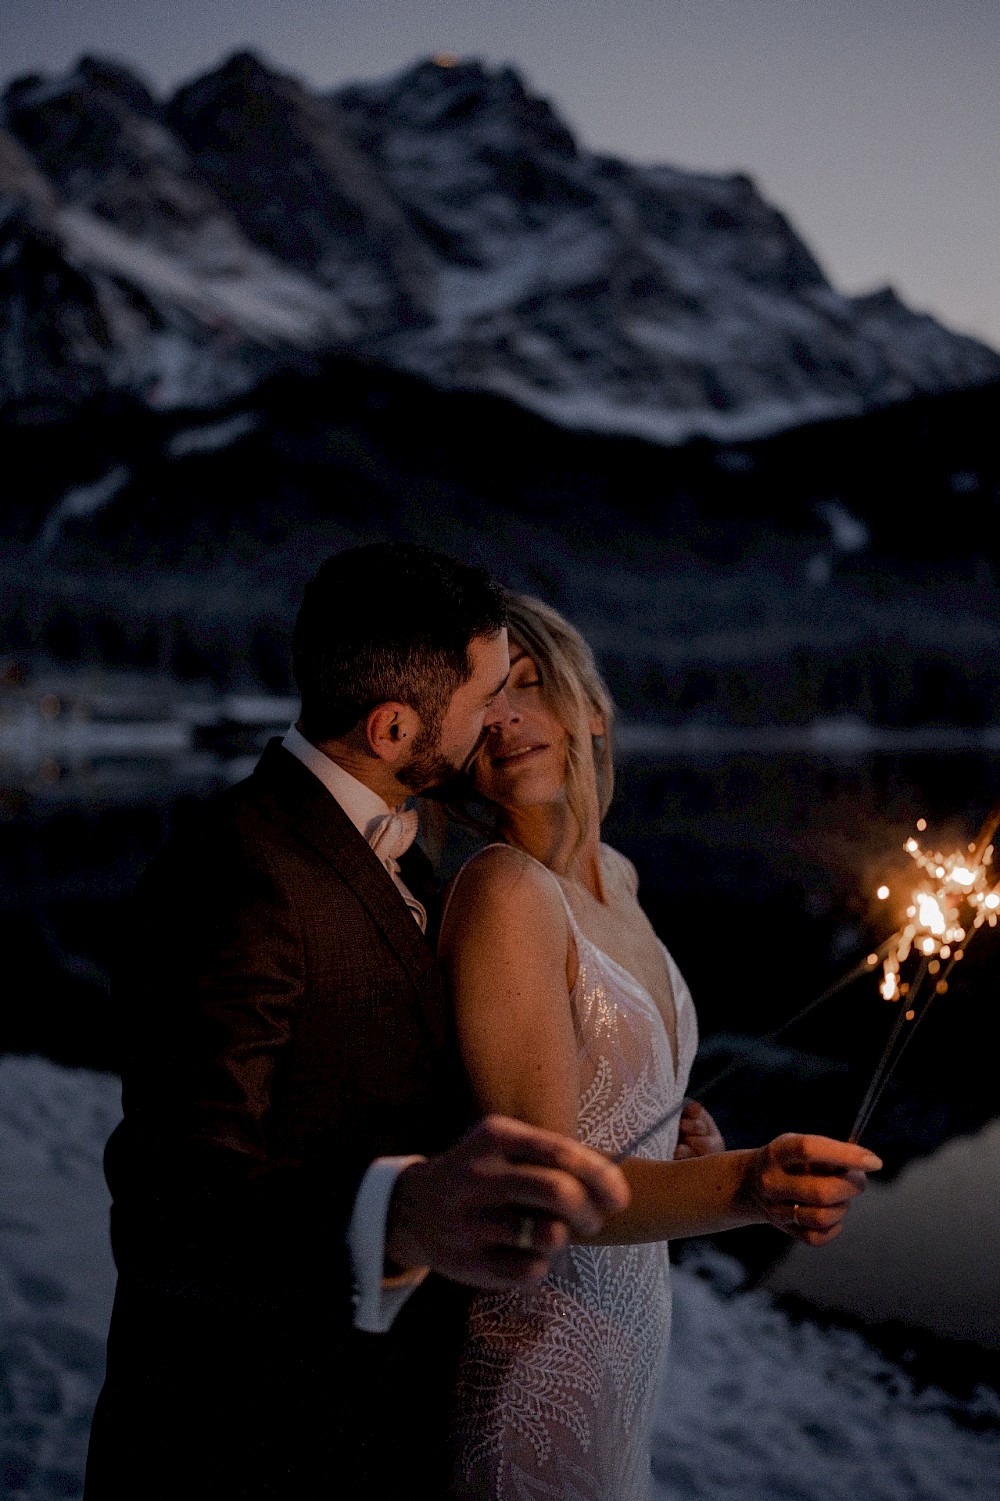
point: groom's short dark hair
(392, 620)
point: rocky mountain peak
(288, 171)
(94, 82)
(235, 103)
(884, 301)
(722, 220)
(135, 271)
(101, 138)
(442, 97)
(444, 221)
(477, 161)
(77, 126)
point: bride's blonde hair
(574, 690)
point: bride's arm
(506, 947)
(801, 1184)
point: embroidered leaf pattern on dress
(557, 1385)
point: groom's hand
(493, 1210)
(804, 1184)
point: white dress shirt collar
(359, 802)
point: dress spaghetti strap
(498, 844)
(453, 884)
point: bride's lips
(520, 753)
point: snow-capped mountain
(179, 304)
(444, 221)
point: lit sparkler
(955, 896)
(953, 900)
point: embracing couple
(378, 1225)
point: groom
(300, 1194)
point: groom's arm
(209, 997)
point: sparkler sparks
(954, 899)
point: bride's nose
(501, 714)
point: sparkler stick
(863, 968)
(887, 1063)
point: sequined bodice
(557, 1386)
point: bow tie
(391, 834)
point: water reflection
(760, 853)
(68, 736)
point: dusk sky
(875, 124)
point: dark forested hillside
(843, 566)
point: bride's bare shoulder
(501, 885)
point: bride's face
(522, 762)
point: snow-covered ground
(923, 1249)
(755, 1407)
(56, 1276)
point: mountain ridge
(445, 222)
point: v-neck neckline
(673, 1038)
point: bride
(571, 1015)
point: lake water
(759, 854)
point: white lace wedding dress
(557, 1387)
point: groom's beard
(429, 772)
(427, 768)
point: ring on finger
(795, 1216)
(526, 1233)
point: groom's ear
(391, 730)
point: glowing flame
(960, 900)
(930, 916)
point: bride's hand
(697, 1135)
(804, 1184)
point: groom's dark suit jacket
(283, 1022)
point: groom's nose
(499, 712)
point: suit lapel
(318, 820)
